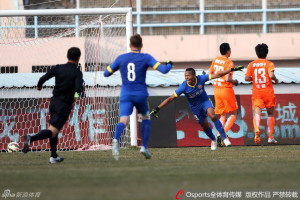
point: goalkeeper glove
(237, 68)
(154, 112)
(170, 62)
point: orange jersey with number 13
(259, 71)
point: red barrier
(287, 130)
(286, 113)
(88, 123)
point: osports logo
(179, 194)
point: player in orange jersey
(225, 101)
(261, 73)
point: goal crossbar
(83, 11)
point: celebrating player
(193, 89)
(261, 73)
(133, 67)
(68, 80)
(225, 101)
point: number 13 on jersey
(260, 77)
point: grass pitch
(96, 175)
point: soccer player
(68, 80)
(133, 67)
(261, 73)
(201, 106)
(225, 101)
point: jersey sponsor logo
(191, 96)
(222, 62)
(259, 64)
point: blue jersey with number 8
(133, 67)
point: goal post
(33, 41)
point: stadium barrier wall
(175, 127)
(189, 132)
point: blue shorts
(200, 109)
(128, 101)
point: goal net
(31, 42)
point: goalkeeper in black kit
(68, 80)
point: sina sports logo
(179, 194)
(199, 86)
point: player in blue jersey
(201, 106)
(133, 67)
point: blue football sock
(220, 128)
(146, 125)
(210, 134)
(119, 130)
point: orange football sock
(256, 122)
(271, 124)
(230, 122)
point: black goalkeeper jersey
(68, 80)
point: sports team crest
(199, 86)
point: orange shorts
(263, 99)
(225, 101)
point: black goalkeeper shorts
(59, 112)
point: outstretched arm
(167, 101)
(163, 104)
(47, 76)
(164, 68)
(108, 72)
(112, 67)
(222, 73)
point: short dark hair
(191, 70)
(262, 50)
(224, 47)
(74, 53)
(136, 41)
